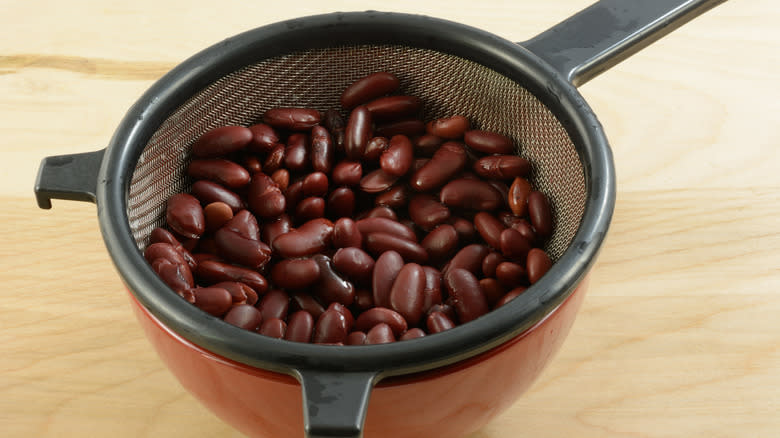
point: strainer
(524, 91)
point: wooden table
(679, 336)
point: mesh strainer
(526, 92)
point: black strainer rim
(352, 28)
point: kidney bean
(363, 300)
(212, 300)
(310, 208)
(244, 316)
(252, 164)
(294, 194)
(537, 264)
(397, 159)
(394, 107)
(295, 273)
(488, 142)
(386, 269)
(444, 308)
(412, 333)
(377, 181)
(322, 149)
(264, 137)
(245, 224)
(274, 328)
(315, 184)
(177, 276)
(296, 155)
(239, 249)
(300, 326)
(310, 238)
(357, 133)
(354, 263)
(187, 295)
(468, 299)
(465, 229)
(441, 242)
(518, 196)
(524, 228)
(333, 120)
(502, 167)
(241, 293)
(407, 127)
(216, 215)
(355, 338)
(185, 215)
(540, 213)
(305, 301)
(368, 88)
(381, 315)
(371, 225)
(514, 245)
(470, 194)
(331, 327)
(275, 158)
(510, 274)
(375, 148)
(438, 322)
(469, 258)
(341, 202)
(264, 197)
(330, 287)
(382, 211)
(272, 230)
(492, 289)
(281, 177)
(212, 271)
(274, 304)
(511, 295)
(490, 262)
(347, 173)
(378, 243)
(208, 192)
(295, 119)
(427, 144)
(379, 334)
(221, 141)
(427, 212)
(406, 294)
(448, 160)
(162, 250)
(489, 228)
(394, 197)
(432, 290)
(219, 170)
(344, 311)
(202, 257)
(451, 127)
(346, 233)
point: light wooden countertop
(678, 337)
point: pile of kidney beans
(379, 228)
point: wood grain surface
(678, 337)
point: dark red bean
(305, 301)
(492, 289)
(444, 308)
(333, 120)
(377, 181)
(426, 145)
(469, 301)
(208, 192)
(300, 326)
(296, 155)
(330, 286)
(381, 315)
(238, 249)
(341, 203)
(465, 229)
(371, 225)
(296, 119)
(274, 328)
(264, 197)
(397, 159)
(510, 274)
(537, 264)
(354, 263)
(275, 158)
(418, 163)
(368, 88)
(264, 137)
(470, 194)
(502, 188)
(412, 333)
(184, 215)
(162, 250)
(244, 316)
(447, 162)
(274, 304)
(427, 212)
(382, 211)
(295, 273)
(315, 184)
(274, 229)
(281, 177)
(310, 238)
(511, 295)
(241, 293)
(363, 300)
(489, 228)
(374, 149)
(441, 242)
(432, 291)
(358, 133)
(378, 243)
(212, 300)
(355, 338)
(394, 197)
(203, 257)
(245, 224)
(212, 271)
(490, 262)
(488, 142)
(502, 167)
(406, 294)
(346, 233)
(344, 311)
(322, 150)
(540, 213)
(394, 107)
(310, 208)
(451, 127)
(514, 245)
(331, 327)
(347, 173)
(407, 127)
(525, 228)
(216, 215)
(294, 194)
(220, 171)
(221, 141)
(469, 258)
(177, 276)
(252, 164)
(518, 196)
(386, 269)
(379, 334)
(438, 322)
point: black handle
(609, 31)
(72, 177)
(335, 404)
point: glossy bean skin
(381, 315)
(208, 192)
(518, 196)
(331, 328)
(275, 304)
(322, 149)
(281, 177)
(374, 149)
(470, 194)
(264, 197)
(386, 269)
(272, 230)
(407, 127)
(511, 295)
(355, 338)
(216, 215)
(394, 197)
(241, 293)
(309, 239)
(492, 289)
(378, 243)
(469, 258)
(184, 215)
(295, 274)
(344, 311)
(397, 159)
(300, 326)
(465, 229)
(490, 262)
(346, 233)
(212, 271)
(489, 228)
(304, 301)
(540, 213)
(451, 127)
(162, 250)
(488, 142)
(382, 211)
(537, 264)
(438, 322)
(444, 308)
(379, 334)
(502, 167)
(347, 173)
(448, 160)
(371, 225)
(177, 276)
(295, 119)
(355, 264)
(296, 154)
(264, 137)
(510, 274)
(212, 300)
(406, 294)
(161, 235)
(377, 181)
(315, 184)
(310, 208)
(244, 316)
(275, 158)
(221, 141)
(427, 212)
(368, 88)
(427, 144)
(341, 203)
(526, 230)
(412, 333)
(218, 170)
(252, 164)
(274, 328)
(330, 286)
(432, 291)
(394, 107)
(239, 249)
(245, 224)
(441, 242)
(364, 300)
(469, 301)
(357, 133)
(513, 244)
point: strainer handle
(72, 177)
(335, 403)
(609, 31)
